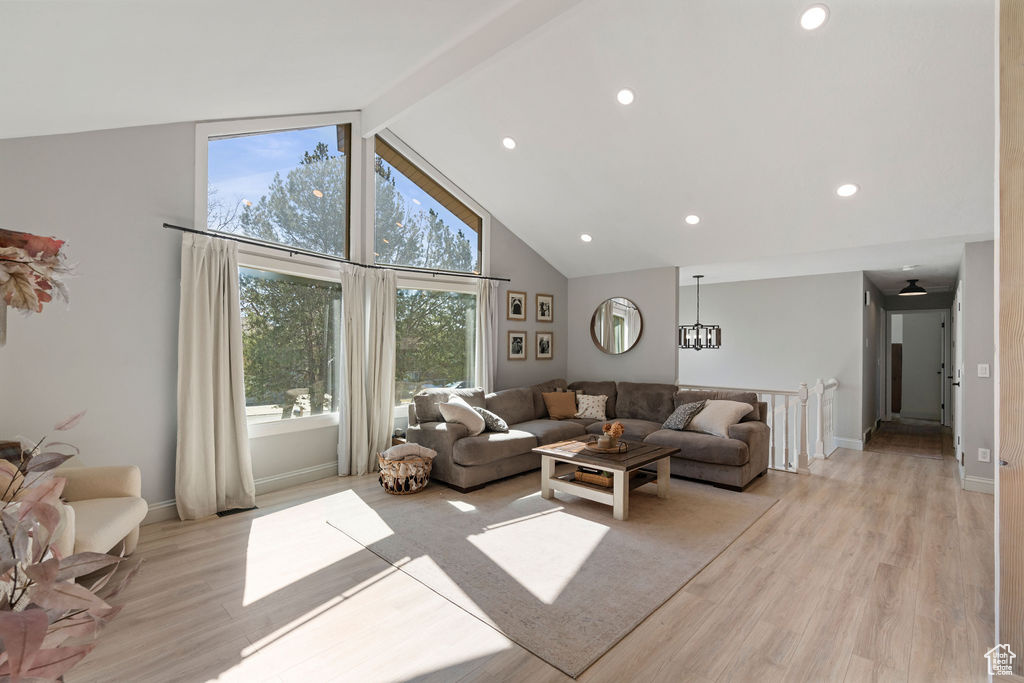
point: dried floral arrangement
(48, 622)
(613, 429)
(32, 269)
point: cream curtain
(380, 360)
(487, 309)
(213, 465)
(353, 445)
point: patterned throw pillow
(682, 415)
(591, 406)
(492, 420)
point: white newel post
(819, 442)
(801, 461)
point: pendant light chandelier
(697, 336)
(913, 289)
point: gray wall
(654, 358)
(977, 276)
(922, 361)
(780, 332)
(873, 359)
(114, 350)
(512, 258)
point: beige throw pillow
(458, 411)
(591, 406)
(718, 416)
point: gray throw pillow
(682, 415)
(493, 421)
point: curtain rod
(292, 251)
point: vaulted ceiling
(740, 117)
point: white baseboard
(161, 512)
(979, 484)
(168, 509)
(276, 482)
(852, 444)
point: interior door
(957, 375)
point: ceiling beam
(469, 53)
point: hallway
(919, 438)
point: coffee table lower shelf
(638, 478)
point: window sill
(295, 424)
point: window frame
(252, 256)
(370, 200)
(205, 130)
(416, 281)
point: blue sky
(243, 167)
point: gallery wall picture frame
(545, 308)
(545, 347)
(515, 305)
(517, 345)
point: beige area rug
(560, 577)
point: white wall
(114, 351)
(922, 360)
(530, 273)
(780, 332)
(896, 334)
(977, 275)
(873, 359)
(654, 358)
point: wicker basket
(402, 477)
(596, 479)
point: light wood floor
(875, 567)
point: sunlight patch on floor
(461, 506)
(543, 553)
(268, 569)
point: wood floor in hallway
(875, 567)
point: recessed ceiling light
(508, 143)
(625, 96)
(909, 267)
(692, 219)
(847, 190)
(585, 237)
(814, 17)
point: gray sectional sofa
(469, 462)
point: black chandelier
(697, 336)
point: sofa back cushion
(692, 395)
(513, 405)
(644, 401)
(427, 400)
(540, 409)
(599, 389)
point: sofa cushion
(682, 415)
(702, 447)
(645, 401)
(635, 429)
(101, 523)
(457, 410)
(591, 406)
(599, 389)
(492, 446)
(427, 400)
(539, 409)
(513, 405)
(691, 395)
(550, 431)
(718, 416)
(437, 436)
(560, 405)
(494, 422)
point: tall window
(290, 339)
(435, 336)
(288, 187)
(418, 222)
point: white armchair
(104, 506)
